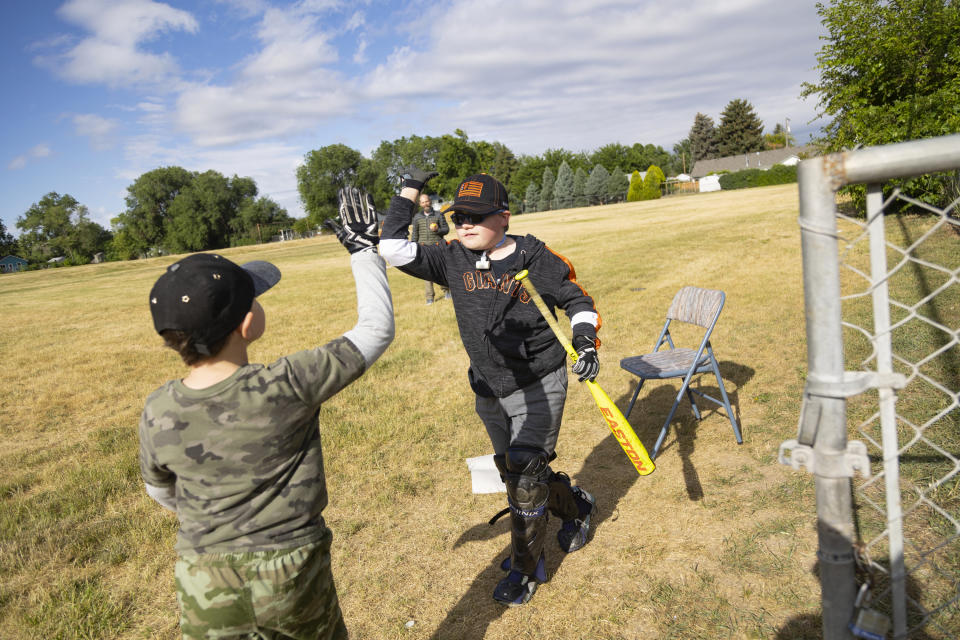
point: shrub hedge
(777, 174)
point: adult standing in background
(430, 227)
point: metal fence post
(825, 417)
(887, 400)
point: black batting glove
(587, 365)
(356, 226)
(415, 178)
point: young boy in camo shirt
(234, 448)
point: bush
(748, 178)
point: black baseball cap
(207, 296)
(482, 194)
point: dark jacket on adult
(421, 232)
(509, 343)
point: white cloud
(288, 87)
(112, 53)
(98, 129)
(580, 74)
(39, 151)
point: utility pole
(786, 135)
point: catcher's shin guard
(562, 501)
(528, 491)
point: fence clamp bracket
(839, 464)
(853, 383)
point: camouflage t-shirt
(244, 455)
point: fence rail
(882, 300)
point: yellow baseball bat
(618, 424)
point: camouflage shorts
(264, 594)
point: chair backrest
(696, 306)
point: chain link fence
(880, 420)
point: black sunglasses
(458, 218)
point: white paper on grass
(485, 476)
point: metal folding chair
(691, 305)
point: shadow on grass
(650, 411)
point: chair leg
(693, 404)
(666, 427)
(726, 400)
(684, 389)
(634, 399)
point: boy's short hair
(182, 343)
(205, 297)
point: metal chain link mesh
(920, 277)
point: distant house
(753, 160)
(9, 264)
(56, 260)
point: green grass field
(719, 542)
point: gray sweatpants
(530, 416)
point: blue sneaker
(517, 588)
(573, 534)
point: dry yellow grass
(718, 542)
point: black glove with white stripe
(587, 365)
(356, 226)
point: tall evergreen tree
(563, 189)
(740, 130)
(531, 201)
(617, 185)
(579, 187)
(546, 190)
(595, 190)
(703, 140)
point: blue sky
(101, 91)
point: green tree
(302, 226)
(579, 187)
(703, 139)
(563, 188)
(529, 171)
(381, 175)
(531, 200)
(611, 155)
(683, 155)
(496, 159)
(457, 158)
(643, 155)
(8, 244)
(778, 139)
(59, 226)
(142, 226)
(254, 220)
(546, 191)
(635, 191)
(324, 172)
(617, 185)
(595, 189)
(200, 214)
(651, 183)
(740, 130)
(889, 71)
